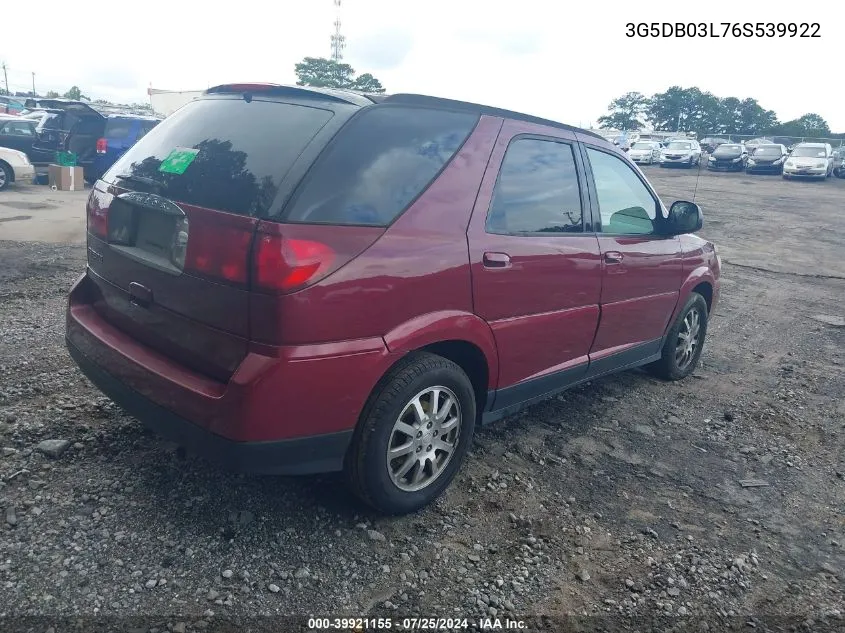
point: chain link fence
(836, 143)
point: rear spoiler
(335, 95)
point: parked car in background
(754, 142)
(122, 131)
(19, 133)
(767, 159)
(14, 167)
(728, 157)
(482, 260)
(645, 152)
(70, 126)
(809, 160)
(11, 105)
(686, 153)
(839, 162)
(709, 143)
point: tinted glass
(380, 161)
(242, 151)
(679, 145)
(809, 152)
(626, 205)
(146, 126)
(18, 128)
(728, 149)
(118, 128)
(537, 190)
(768, 150)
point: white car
(647, 152)
(686, 153)
(14, 167)
(811, 160)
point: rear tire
(398, 418)
(680, 355)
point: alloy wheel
(688, 339)
(424, 438)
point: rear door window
(18, 128)
(236, 153)
(537, 191)
(379, 163)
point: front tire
(6, 176)
(684, 342)
(413, 434)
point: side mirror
(685, 217)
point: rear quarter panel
(418, 267)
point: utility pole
(6, 77)
(33, 84)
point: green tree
(668, 110)
(626, 112)
(754, 119)
(52, 94)
(809, 125)
(327, 73)
(367, 83)
(74, 93)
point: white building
(166, 102)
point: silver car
(810, 160)
(686, 153)
(645, 152)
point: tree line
(691, 109)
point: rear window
(237, 153)
(146, 126)
(378, 164)
(118, 128)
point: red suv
(295, 280)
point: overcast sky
(554, 58)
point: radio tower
(338, 40)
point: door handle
(496, 260)
(613, 257)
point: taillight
(286, 264)
(218, 251)
(102, 146)
(97, 213)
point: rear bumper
(286, 409)
(299, 456)
(24, 173)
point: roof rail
(325, 94)
(438, 102)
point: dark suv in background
(97, 139)
(293, 280)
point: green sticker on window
(178, 160)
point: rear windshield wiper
(140, 180)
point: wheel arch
(9, 169)
(462, 337)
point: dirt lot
(716, 501)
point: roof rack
(438, 102)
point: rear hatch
(171, 224)
(70, 126)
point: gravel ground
(717, 501)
